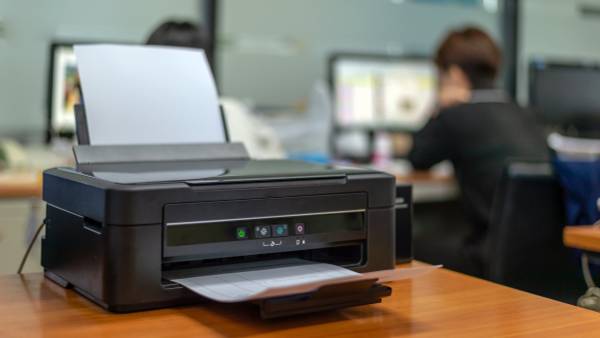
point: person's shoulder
(456, 108)
(453, 111)
(481, 107)
(477, 115)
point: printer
(127, 217)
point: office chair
(524, 245)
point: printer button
(262, 231)
(241, 233)
(299, 228)
(279, 230)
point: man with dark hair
(179, 34)
(477, 128)
(474, 52)
(182, 34)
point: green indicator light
(280, 231)
(241, 233)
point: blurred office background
(269, 53)
(273, 59)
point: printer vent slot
(92, 225)
(346, 255)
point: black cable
(35, 236)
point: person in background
(179, 34)
(477, 128)
(242, 125)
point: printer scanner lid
(211, 171)
(192, 164)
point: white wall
(556, 30)
(272, 51)
(27, 28)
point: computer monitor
(63, 91)
(378, 92)
(564, 94)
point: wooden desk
(440, 304)
(429, 187)
(27, 181)
(20, 185)
(424, 176)
(582, 237)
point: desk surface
(21, 184)
(424, 176)
(430, 187)
(25, 181)
(440, 304)
(582, 237)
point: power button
(299, 228)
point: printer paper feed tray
(290, 277)
(266, 282)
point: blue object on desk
(581, 183)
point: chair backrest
(524, 245)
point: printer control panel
(269, 230)
(263, 235)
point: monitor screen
(64, 89)
(383, 92)
(562, 93)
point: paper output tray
(328, 297)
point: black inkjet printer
(128, 216)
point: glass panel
(28, 29)
(272, 52)
(559, 64)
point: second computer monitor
(382, 92)
(63, 90)
(565, 93)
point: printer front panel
(328, 228)
(303, 234)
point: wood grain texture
(440, 304)
(582, 237)
(20, 185)
(424, 176)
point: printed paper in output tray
(284, 280)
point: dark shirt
(479, 138)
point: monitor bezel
(52, 50)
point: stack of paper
(148, 95)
